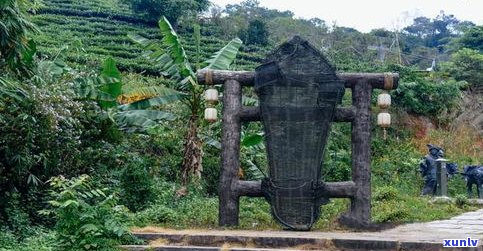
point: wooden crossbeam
(345, 189)
(387, 81)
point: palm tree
(172, 60)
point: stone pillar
(441, 178)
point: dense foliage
(87, 217)
(430, 98)
(153, 10)
(42, 135)
(472, 38)
(15, 27)
(256, 33)
(467, 64)
(116, 98)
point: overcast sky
(365, 15)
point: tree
(473, 38)
(173, 62)
(283, 28)
(433, 32)
(256, 33)
(240, 16)
(251, 9)
(421, 27)
(467, 64)
(152, 10)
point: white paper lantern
(211, 95)
(384, 100)
(384, 119)
(211, 114)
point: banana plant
(252, 149)
(107, 90)
(171, 59)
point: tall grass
(462, 145)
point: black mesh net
(298, 92)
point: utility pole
(398, 47)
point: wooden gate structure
(358, 114)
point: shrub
(461, 201)
(16, 217)
(391, 211)
(136, 185)
(45, 131)
(87, 217)
(467, 64)
(473, 38)
(157, 214)
(40, 136)
(426, 97)
(337, 160)
(385, 193)
(39, 240)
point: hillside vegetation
(88, 31)
(96, 137)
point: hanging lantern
(384, 118)
(384, 100)
(211, 96)
(384, 121)
(211, 114)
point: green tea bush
(255, 214)
(393, 162)
(161, 210)
(156, 214)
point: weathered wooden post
(230, 154)
(359, 115)
(360, 212)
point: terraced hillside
(87, 31)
